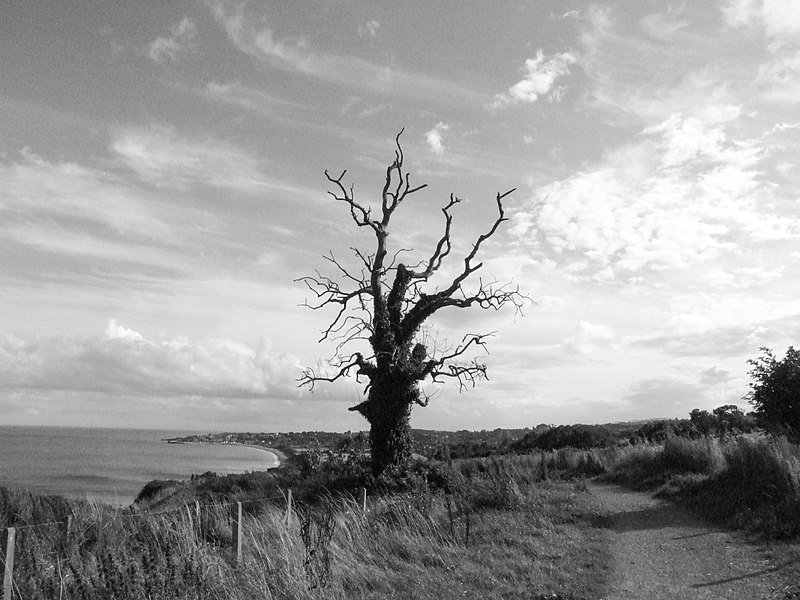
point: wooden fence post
(289, 507)
(236, 527)
(364, 500)
(9, 536)
(198, 518)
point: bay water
(111, 466)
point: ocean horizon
(111, 466)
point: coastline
(274, 451)
(280, 457)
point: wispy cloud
(181, 39)
(664, 25)
(37, 189)
(164, 158)
(540, 79)
(249, 33)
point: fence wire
(144, 514)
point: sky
(163, 187)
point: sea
(111, 466)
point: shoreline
(279, 456)
(274, 451)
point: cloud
(369, 29)
(35, 187)
(664, 25)
(687, 191)
(123, 361)
(434, 138)
(540, 79)
(714, 376)
(782, 20)
(720, 324)
(181, 39)
(162, 157)
(591, 340)
(248, 31)
(664, 396)
(779, 19)
(740, 13)
(779, 79)
(57, 213)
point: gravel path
(662, 551)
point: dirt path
(661, 551)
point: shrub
(683, 455)
(775, 391)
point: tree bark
(388, 411)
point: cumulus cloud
(591, 339)
(166, 49)
(779, 19)
(369, 29)
(434, 138)
(687, 191)
(539, 81)
(123, 361)
(740, 13)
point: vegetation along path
(662, 550)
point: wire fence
(9, 543)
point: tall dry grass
(749, 482)
(486, 535)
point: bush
(701, 456)
(775, 392)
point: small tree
(775, 391)
(385, 302)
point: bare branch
(364, 367)
(469, 268)
(361, 216)
(487, 296)
(444, 367)
(467, 375)
(443, 247)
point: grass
(750, 483)
(497, 527)
(494, 529)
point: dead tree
(386, 302)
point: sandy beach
(278, 454)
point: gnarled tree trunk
(388, 411)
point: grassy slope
(497, 534)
